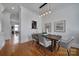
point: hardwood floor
(32, 49)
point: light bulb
(46, 13)
(49, 11)
(43, 14)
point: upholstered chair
(43, 41)
(66, 42)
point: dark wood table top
(52, 37)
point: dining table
(54, 39)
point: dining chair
(66, 42)
(35, 39)
(44, 41)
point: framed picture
(48, 27)
(34, 25)
(60, 26)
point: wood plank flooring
(32, 49)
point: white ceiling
(34, 7)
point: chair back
(44, 41)
(41, 38)
(68, 37)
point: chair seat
(46, 43)
(64, 44)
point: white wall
(26, 24)
(4, 23)
(1, 22)
(6, 28)
(1, 16)
(68, 12)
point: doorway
(15, 25)
(15, 34)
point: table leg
(52, 43)
(54, 47)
